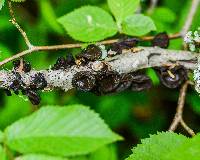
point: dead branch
(178, 118)
(129, 61)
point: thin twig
(189, 19)
(14, 22)
(152, 6)
(67, 46)
(179, 110)
(187, 128)
(178, 118)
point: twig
(129, 61)
(178, 118)
(67, 46)
(189, 19)
(14, 22)
(152, 6)
(187, 128)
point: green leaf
(157, 146)
(18, 0)
(138, 25)
(189, 150)
(63, 131)
(104, 153)
(39, 157)
(2, 3)
(4, 52)
(89, 24)
(154, 77)
(123, 8)
(49, 16)
(162, 14)
(2, 154)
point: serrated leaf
(39, 157)
(18, 0)
(2, 3)
(189, 150)
(123, 8)
(89, 24)
(104, 153)
(63, 131)
(138, 25)
(163, 14)
(157, 146)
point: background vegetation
(133, 115)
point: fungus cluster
(38, 82)
(101, 79)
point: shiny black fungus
(60, 64)
(15, 86)
(172, 78)
(125, 82)
(38, 82)
(84, 81)
(91, 53)
(124, 44)
(70, 61)
(26, 65)
(64, 63)
(107, 83)
(123, 86)
(16, 64)
(141, 83)
(33, 96)
(161, 40)
(134, 81)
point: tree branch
(129, 61)
(178, 118)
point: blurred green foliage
(133, 115)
